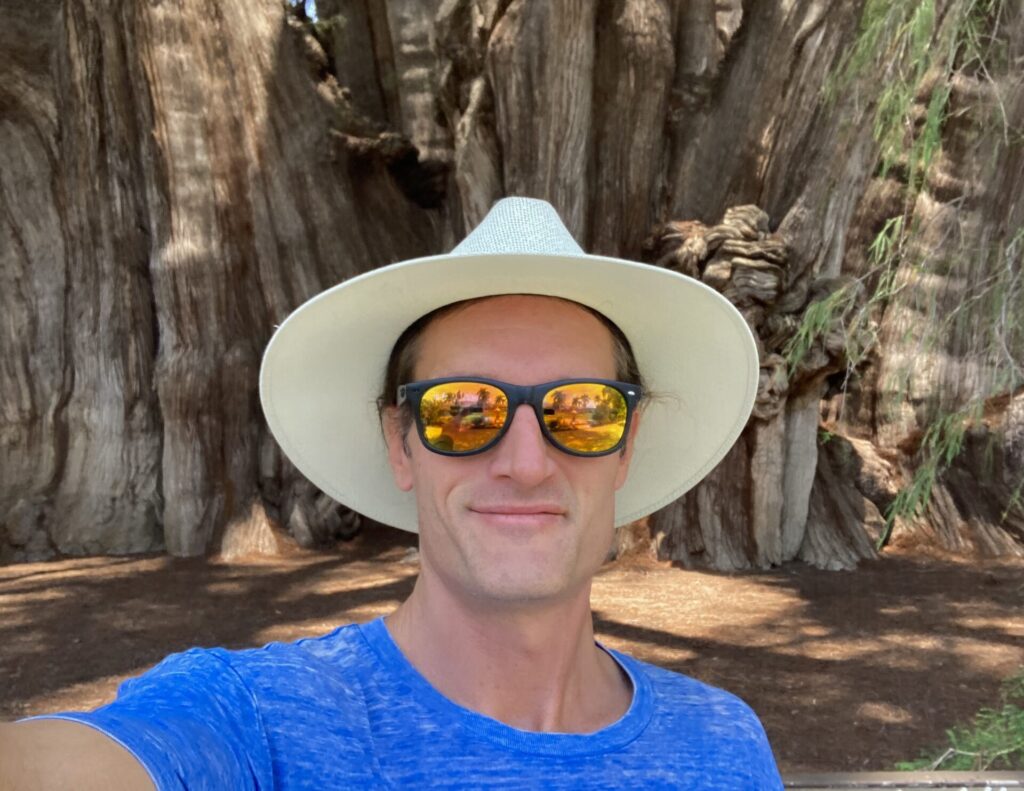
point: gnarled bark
(176, 177)
(192, 190)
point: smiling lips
(537, 515)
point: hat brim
(324, 367)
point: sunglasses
(463, 416)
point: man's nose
(523, 454)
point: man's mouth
(528, 515)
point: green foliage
(844, 309)
(1000, 300)
(908, 46)
(818, 318)
(941, 445)
(324, 29)
(993, 740)
(897, 37)
(913, 50)
(1016, 501)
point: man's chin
(521, 594)
(528, 581)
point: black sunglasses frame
(517, 395)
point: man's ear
(396, 432)
(627, 451)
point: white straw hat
(324, 367)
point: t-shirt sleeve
(764, 770)
(752, 752)
(191, 721)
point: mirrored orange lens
(586, 417)
(462, 416)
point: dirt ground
(848, 670)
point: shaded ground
(849, 671)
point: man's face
(522, 521)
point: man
(534, 397)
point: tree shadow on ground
(848, 670)
(888, 656)
(75, 622)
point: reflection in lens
(462, 416)
(586, 417)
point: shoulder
(717, 727)
(248, 684)
(339, 649)
(298, 674)
(218, 718)
(679, 692)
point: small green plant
(993, 740)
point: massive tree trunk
(176, 177)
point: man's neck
(534, 668)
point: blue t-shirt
(347, 710)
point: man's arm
(57, 754)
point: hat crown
(520, 225)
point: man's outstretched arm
(56, 754)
